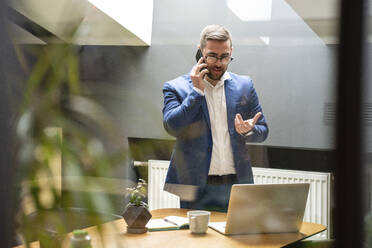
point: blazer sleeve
(177, 113)
(261, 129)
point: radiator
(157, 197)
(318, 202)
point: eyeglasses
(213, 59)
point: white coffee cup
(198, 221)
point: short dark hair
(214, 32)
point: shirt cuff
(248, 134)
(199, 91)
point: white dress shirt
(222, 161)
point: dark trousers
(215, 195)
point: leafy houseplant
(136, 213)
(137, 193)
(64, 138)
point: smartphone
(198, 55)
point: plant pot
(136, 218)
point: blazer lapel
(206, 112)
(230, 103)
(204, 108)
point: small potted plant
(136, 213)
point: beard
(216, 75)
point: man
(212, 113)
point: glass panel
(287, 47)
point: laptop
(264, 208)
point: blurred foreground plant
(57, 118)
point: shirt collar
(221, 82)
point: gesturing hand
(197, 74)
(244, 126)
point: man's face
(217, 49)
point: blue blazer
(186, 117)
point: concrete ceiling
(21, 36)
(127, 22)
(322, 16)
(91, 22)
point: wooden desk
(114, 235)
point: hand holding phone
(198, 71)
